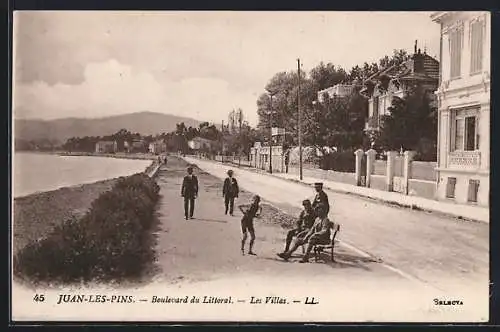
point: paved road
(447, 253)
(203, 255)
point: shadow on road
(210, 220)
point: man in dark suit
(230, 191)
(321, 197)
(189, 191)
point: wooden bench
(319, 248)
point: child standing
(247, 223)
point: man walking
(321, 197)
(189, 191)
(230, 191)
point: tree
(325, 76)
(411, 125)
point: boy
(247, 223)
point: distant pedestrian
(321, 197)
(230, 191)
(249, 212)
(189, 191)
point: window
(459, 134)
(470, 133)
(450, 187)
(456, 41)
(465, 134)
(473, 190)
(476, 46)
(375, 107)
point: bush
(344, 161)
(112, 241)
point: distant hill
(145, 123)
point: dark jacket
(306, 220)
(230, 188)
(189, 186)
(321, 198)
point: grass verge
(111, 242)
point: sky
(194, 64)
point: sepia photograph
(250, 167)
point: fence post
(370, 160)
(408, 157)
(391, 160)
(359, 158)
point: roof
(438, 16)
(406, 70)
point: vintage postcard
(176, 166)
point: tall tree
(325, 76)
(411, 125)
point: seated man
(318, 234)
(304, 223)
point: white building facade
(338, 90)
(463, 157)
(157, 147)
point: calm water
(42, 172)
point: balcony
(464, 159)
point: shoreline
(119, 155)
(34, 216)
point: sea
(39, 172)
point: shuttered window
(456, 41)
(473, 190)
(459, 134)
(476, 43)
(450, 187)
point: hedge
(112, 242)
(344, 161)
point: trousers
(188, 206)
(229, 203)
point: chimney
(415, 49)
(418, 62)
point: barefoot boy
(247, 222)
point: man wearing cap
(318, 234)
(230, 191)
(189, 191)
(304, 223)
(321, 197)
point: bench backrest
(335, 230)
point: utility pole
(271, 137)
(222, 142)
(240, 119)
(300, 120)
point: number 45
(39, 298)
